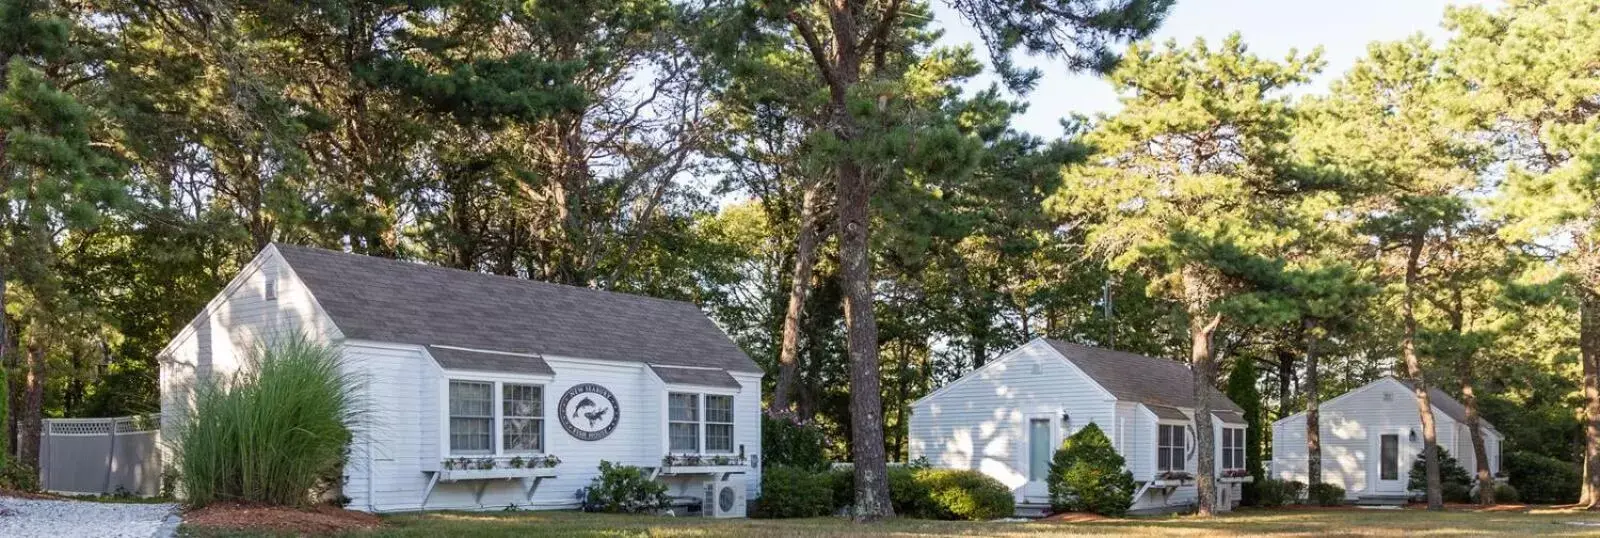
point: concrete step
(1383, 500)
(1032, 509)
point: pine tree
(1531, 65)
(1242, 389)
(1186, 187)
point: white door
(1386, 474)
(1040, 444)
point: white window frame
(1182, 447)
(1235, 446)
(701, 421)
(497, 409)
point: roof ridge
(413, 264)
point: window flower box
(460, 475)
(1173, 479)
(1236, 476)
(703, 463)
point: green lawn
(1276, 522)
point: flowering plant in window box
(1173, 478)
(696, 460)
(1236, 476)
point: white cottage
(1007, 418)
(472, 382)
(1372, 435)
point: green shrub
(790, 442)
(908, 495)
(1504, 493)
(794, 492)
(964, 494)
(1271, 493)
(915, 490)
(16, 476)
(1087, 475)
(1325, 494)
(275, 432)
(624, 489)
(1541, 479)
(1455, 492)
(1453, 478)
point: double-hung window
(1232, 448)
(471, 417)
(700, 422)
(719, 423)
(521, 418)
(683, 422)
(495, 418)
(1169, 448)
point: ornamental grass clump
(275, 432)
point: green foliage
(624, 489)
(919, 491)
(1451, 475)
(786, 441)
(274, 433)
(1325, 494)
(1088, 475)
(1542, 479)
(964, 494)
(1241, 388)
(1506, 494)
(788, 491)
(18, 476)
(1272, 493)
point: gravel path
(74, 519)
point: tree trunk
(1589, 347)
(1408, 348)
(30, 419)
(799, 287)
(1202, 326)
(1285, 381)
(866, 400)
(1313, 402)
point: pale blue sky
(1270, 27)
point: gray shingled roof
(481, 361)
(1137, 378)
(1444, 402)
(394, 301)
(695, 376)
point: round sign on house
(588, 411)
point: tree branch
(818, 53)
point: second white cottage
(1007, 418)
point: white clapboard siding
(1349, 423)
(402, 393)
(220, 338)
(979, 421)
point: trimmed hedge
(1272, 493)
(964, 494)
(1087, 475)
(1541, 479)
(1504, 493)
(1325, 494)
(794, 492)
(917, 491)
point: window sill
(1236, 479)
(1171, 482)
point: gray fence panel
(107, 455)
